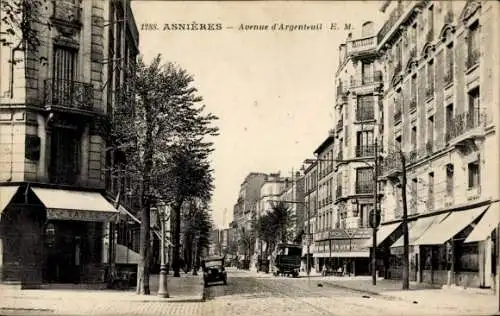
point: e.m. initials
(334, 26)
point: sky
(273, 91)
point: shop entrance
(63, 245)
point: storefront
(52, 235)
(343, 250)
(438, 253)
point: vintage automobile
(213, 270)
(287, 260)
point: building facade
(293, 197)
(358, 111)
(441, 111)
(310, 196)
(53, 130)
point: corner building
(53, 131)
(441, 107)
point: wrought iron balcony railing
(391, 164)
(464, 122)
(390, 22)
(375, 78)
(69, 94)
(66, 11)
(365, 150)
(412, 156)
(472, 58)
(364, 187)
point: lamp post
(163, 289)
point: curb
(370, 292)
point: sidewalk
(467, 301)
(187, 288)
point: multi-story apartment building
(358, 115)
(441, 111)
(53, 118)
(310, 200)
(293, 197)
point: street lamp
(163, 289)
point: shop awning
(418, 228)
(125, 255)
(439, 233)
(383, 232)
(76, 205)
(486, 225)
(6, 195)
(345, 254)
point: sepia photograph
(271, 158)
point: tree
(160, 131)
(276, 226)
(198, 223)
(245, 241)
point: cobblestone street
(247, 293)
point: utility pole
(406, 265)
(375, 220)
(163, 288)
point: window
(430, 197)
(449, 179)
(365, 108)
(430, 134)
(364, 211)
(398, 142)
(65, 156)
(367, 72)
(413, 90)
(473, 45)
(449, 64)
(474, 180)
(414, 138)
(414, 195)
(431, 22)
(364, 181)
(430, 79)
(364, 144)
(413, 34)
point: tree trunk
(143, 266)
(176, 230)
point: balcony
(397, 117)
(466, 126)
(391, 165)
(365, 150)
(472, 58)
(364, 187)
(375, 78)
(412, 156)
(362, 45)
(69, 94)
(66, 12)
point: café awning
(344, 254)
(76, 205)
(443, 231)
(6, 195)
(384, 231)
(486, 225)
(418, 228)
